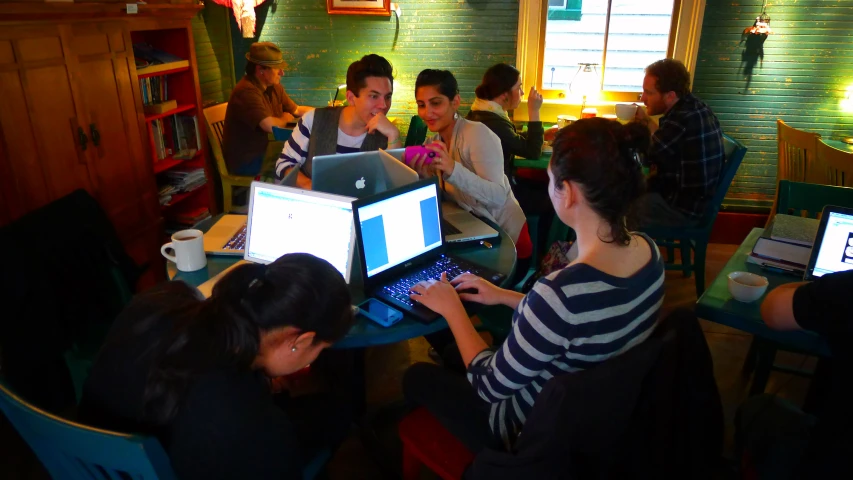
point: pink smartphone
(410, 153)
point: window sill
(553, 107)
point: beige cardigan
(478, 183)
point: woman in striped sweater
(600, 306)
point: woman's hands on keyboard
(437, 295)
(472, 288)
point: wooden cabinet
(72, 116)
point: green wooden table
(540, 163)
(717, 304)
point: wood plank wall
(806, 69)
(465, 37)
(213, 53)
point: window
(621, 36)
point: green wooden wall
(213, 53)
(806, 69)
(464, 36)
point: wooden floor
(386, 366)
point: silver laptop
(361, 174)
(286, 220)
(459, 225)
(227, 236)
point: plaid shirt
(687, 150)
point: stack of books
(786, 244)
(165, 192)
(183, 179)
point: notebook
(286, 220)
(400, 243)
(361, 174)
(833, 245)
(227, 236)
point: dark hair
(224, 331)
(671, 75)
(250, 68)
(599, 155)
(497, 80)
(442, 79)
(369, 66)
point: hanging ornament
(244, 13)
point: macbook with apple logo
(361, 174)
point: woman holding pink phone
(468, 157)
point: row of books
(786, 244)
(154, 90)
(176, 136)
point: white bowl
(747, 287)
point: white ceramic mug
(565, 120)
(189, 250)
(626, 111)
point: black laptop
(401, 243)
(833, 246)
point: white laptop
(286, 220)
(227, 236)
(361, 174)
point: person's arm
(301, 110)
(280, 122)
(486, 182)
(527, 144)
(777, 309)
(642, 117)
(296, 149)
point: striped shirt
(296, 147)
(573, 319)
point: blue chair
(281, 134)
(72, 451)
(696, 237)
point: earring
(456, 115)
(293, 349)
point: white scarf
(481, 105)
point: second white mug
(189, 250)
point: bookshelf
(168, 91)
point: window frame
(684, 35)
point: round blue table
(500, 257)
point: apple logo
(359, 184)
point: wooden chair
(796, 156)
(695, 238)
(215, 119)
(73, 451)
(833, 166)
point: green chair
(73, 451)
(805, 200)
(497, 319)
(417, 132)
(695, 238)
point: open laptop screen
(290, 220)
(399, 228)
(835, 247)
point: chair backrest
(796, 152)
(808, 199)
(417, 132)
(72, 451)
(282, 134)
(735, 152)
(834, 166)
(214, 118)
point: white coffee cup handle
(169, 257)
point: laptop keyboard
(238, 241)
(448, 229)
(400, 289)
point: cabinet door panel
(121, 175)
(41, 159)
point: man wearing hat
(258, 103)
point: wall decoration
(359, 7)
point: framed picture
(359, 7)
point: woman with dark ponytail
(196, 372)
(601, 305)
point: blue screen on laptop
(399, 228)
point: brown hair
(497, 80)
(671, 76)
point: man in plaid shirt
(686, 155)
